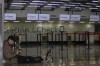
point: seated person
(13, 56)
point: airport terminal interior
(69, 29)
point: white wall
(70, 28)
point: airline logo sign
(94, 18)
(32, 16)
(75, 18)
(10, 16)
(44, 16)
(64, 17)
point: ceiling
(51, 5)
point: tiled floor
(92, 63)
(72, 56)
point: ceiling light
(76, 3)
(40, 1)
(70, 5)
(82, 5)
(51, 21)
(81, 22)
(98, 6)
(39, 21)
(18, 3)
(95, 1)
(93, 8)
(36, 4)
(5, 21)
(64, 7)
(58, 2)
(89, 3)
(48, 6)
(53, 4)
(77, 7)
(16, 21)
(27, 21)
(33, 6)
(87, 6)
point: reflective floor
(81, 63)
(71, 55)
(66, 52)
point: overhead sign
(32, 17)
(94, 18)
(44, 16)
(10, 16)
(75, 18)
(64, 17)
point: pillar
(1, 30)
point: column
(1, 30)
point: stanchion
(72, 63)
(62, 45)
(88, 42)
(26, 40)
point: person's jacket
(8, 53)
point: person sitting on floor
(13, 57)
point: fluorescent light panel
(39, 21)
(36, 3)
(50, 21)
(97, 6)
(27, 21)
(89, 3)
(82, 5)
(5, 21)
(64, 7)
(18, 3)
(95, 1)
(76, 3)
(53, 4)
(93, 8)
(33, 6)
(48, 6)
(58, 2)
(16, 21)
(40, 1)
(70, 5)
(81, 22)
